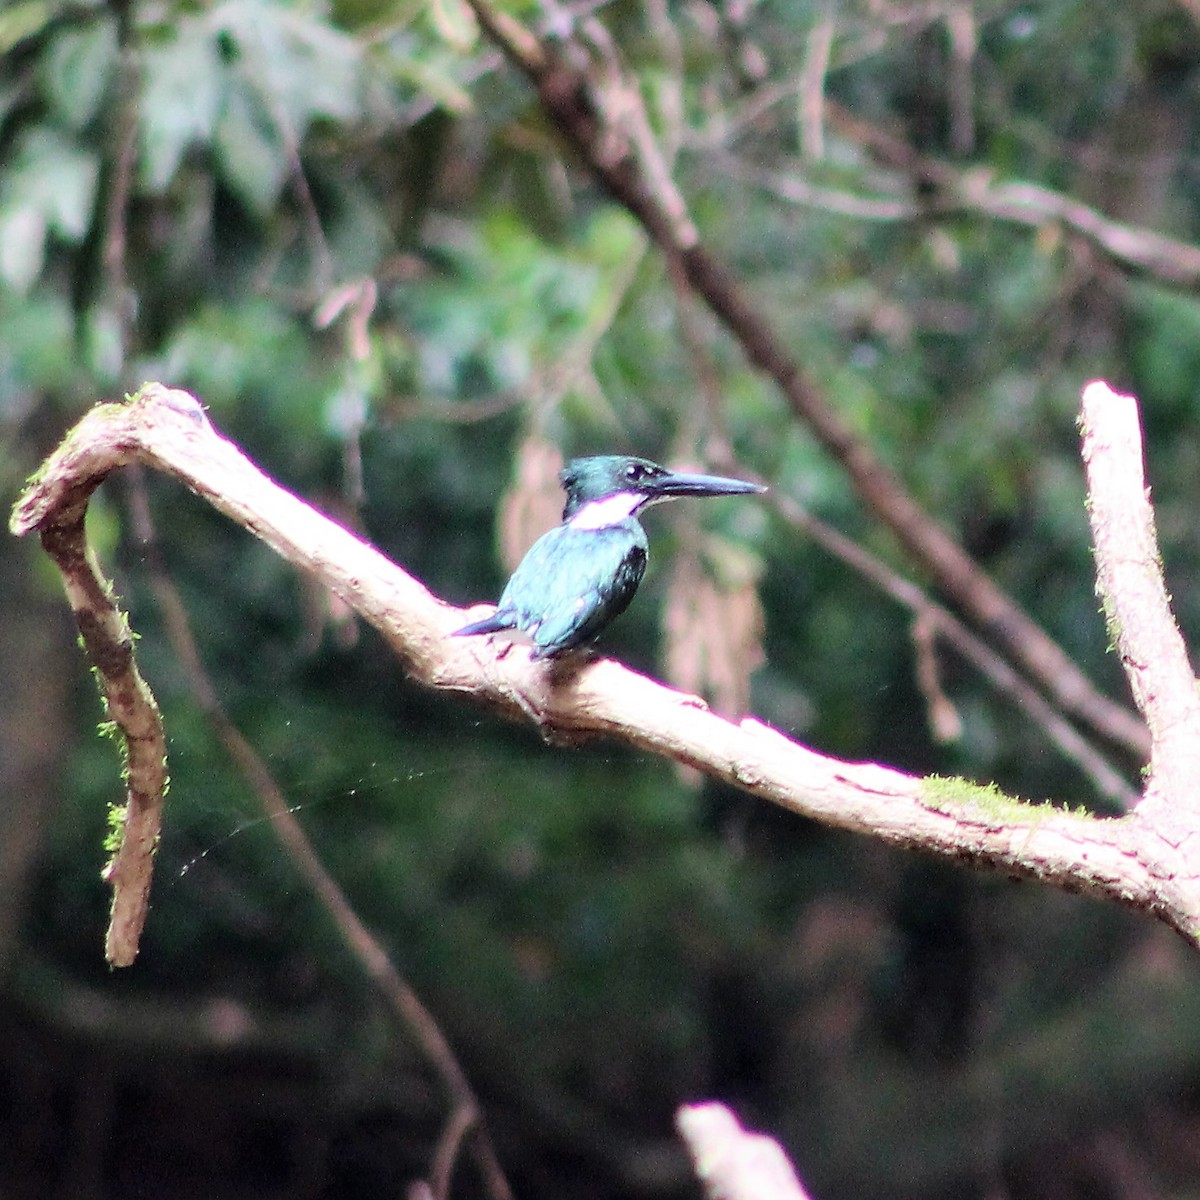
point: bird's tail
(493, 624)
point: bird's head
(610, 487)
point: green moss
(953, 794)
(116, 828)
(1111, 624)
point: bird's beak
(680, 484)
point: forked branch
(1139, 859)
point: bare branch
(791, 187)
(976, 190)
(1046, 719)
(123, 154)
(128, 703)
(964, 43)
(812, 87)
(1128, 859)
(950, 190)
(255, 71)
(944, 721)
(1130, 582)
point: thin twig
(323, 264)
(795, 189)
(818, 46)
(1020, 203)
(122, 162)
(1105, 778)
(960, 92)
(977, 190)
(465, 1115)
(462, 1121)
(669, 92)
(453, 412)
(944, 721)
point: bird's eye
(635, 472)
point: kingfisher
(581, 574)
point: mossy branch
(108, 641)
(1137, 608)
(1135, 859)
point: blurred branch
(121, 148)
(960, 91)
(731, 1162)
(976, 190)
(669, 92)
(255, 71)
(465, 1118)
(945, 724)
(453, 412)
(1133, 859)
(584, 115)
(794, 189)
(812, 87)
(950, 190)
(941, 623)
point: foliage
(199, 193)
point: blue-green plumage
(583, 573)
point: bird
(584, 572)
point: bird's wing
(573, 582)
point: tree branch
(732, 1163)
(1131, 247)
(128, 703)
(941, 623)
(1130, 582)
(1134, 860)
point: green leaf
(249, 151)
(301, 67)
(50, 186)
(20, 21)
(22, 246)
(181, 93)
(77, 69)
(59, 178)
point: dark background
(183, 188)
